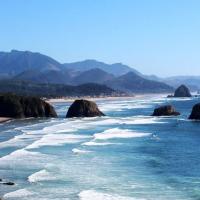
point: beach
(107, 98)
(4, 119)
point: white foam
(78, 151)
(111, 107)
(94, 195)
(139, 120)
(21, 158)
(18, 193)
(92, 143)
(19, 155)
(42, 175)
(180, 98)
(127, 120)
(124, 105)
(57, 140)
(19, 140)
(63, 127)
(105, 122)
(118, 133)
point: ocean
(126, 155)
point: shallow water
(126, 155)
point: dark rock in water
(8, 183)
(182, 91)
(15, 106)
(170, 96)
(167, 110)
(83, 108)
(195, 114)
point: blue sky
(159, 37)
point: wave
(20, 158)
(18, 194)
(57, 140)
(42, 175)
(92, 143)
(78, 151)
(123, 106)
(127, 120)
(142, 120)
(19, 140)
(118, 133)
(180, 99)
(92, 194)
(20, 154)
(111, 134)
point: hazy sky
(159, 37)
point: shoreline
(110, 98)
(4, 119)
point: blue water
(126, 155)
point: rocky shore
(15, 106)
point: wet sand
(4, 119)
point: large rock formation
(83, 108)
(167, 110)
(195, 114)
(182, 91)
(15, 106)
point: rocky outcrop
(167, 110)
(14, 106)
(83, 108)
(195, 114)
(6, 183)
(182, 91)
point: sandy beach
(71, 99)
(4, 119)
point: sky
(160, 37)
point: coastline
(71, 99)
(4, 119)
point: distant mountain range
(116, 69)
(38, 68)
(131, 82)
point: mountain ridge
(117, 69)
(39, 68)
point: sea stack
(195, 114)
(14, 106)
(167, 110)
(182, 91)
(83, 108)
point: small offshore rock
(8, 183)
(195, 114)
(182, 91)
(83, 108)
(167, 110)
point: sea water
(126, 155)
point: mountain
(55, 90)
(116, 69)
(15, 62)
(48, 76)
(95, 75)
(39, 68)
(131, 82)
